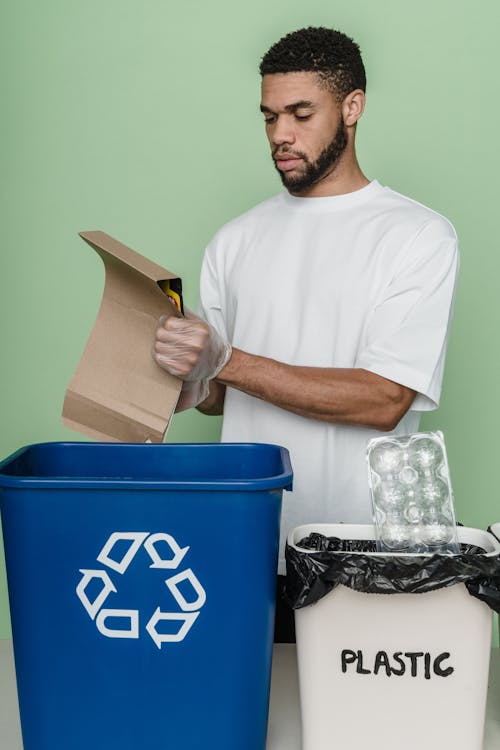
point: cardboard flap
(109, 248)
(118, 392)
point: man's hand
(190, 348)
(192, 394)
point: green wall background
(141, 118)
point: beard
(316, 170)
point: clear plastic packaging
(411, 494)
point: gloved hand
(190, 348)
(192, 394)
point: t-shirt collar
(333, 202)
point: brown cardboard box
(118, 392)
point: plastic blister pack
(411, 494)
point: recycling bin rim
(466, 535)
(281, 480)
(495, 530)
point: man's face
(304, 127)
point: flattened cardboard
(118, 392)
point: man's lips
(286, 162)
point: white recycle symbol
(190, 608)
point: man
(327, 306)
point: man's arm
(192, 350)
(330, 394)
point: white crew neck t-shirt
(360, 280)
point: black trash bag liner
(313, 575)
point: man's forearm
(344, 395)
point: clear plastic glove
(190, 348)
(192, 394)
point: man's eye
(303, 117)
(269, 120)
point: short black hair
(335, 57)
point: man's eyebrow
(302, 104)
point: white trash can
(401, 671)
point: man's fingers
(172, 323)
(162, 334)
(181, 340)
(176, 350)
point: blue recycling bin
(142, 591)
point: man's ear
(353, 107)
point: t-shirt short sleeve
(406, 334)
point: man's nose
(283, 132)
